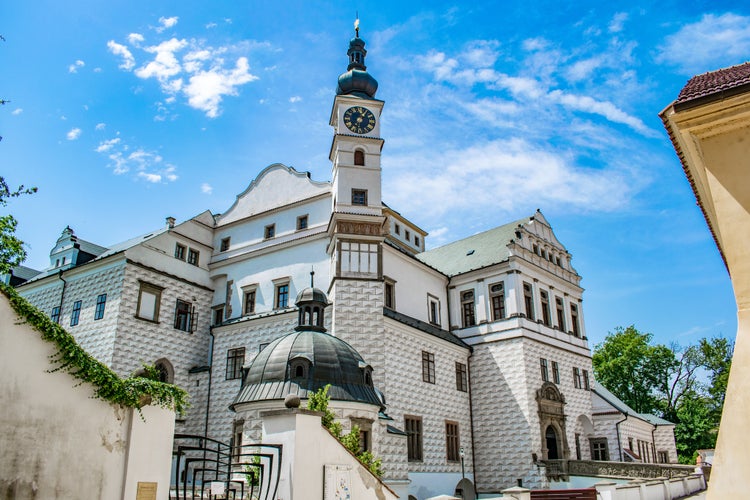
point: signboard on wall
(337, 483)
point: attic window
(470, 252)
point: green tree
(12, 252)
(632, 369)
(717, 360)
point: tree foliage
(12, 252)
(685, 385)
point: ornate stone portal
(552, 422)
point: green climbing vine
(133, 392)
(318, 401)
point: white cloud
(105, 146)
(481, 53)
(150, 177)
(73, 68)
(101, 126)
(206, 89)
(295, 98)
(515, 175)
(617, 22)
(73, 134)
(135, 39)
(17, 111)
(128, 61)
(603, 108)
(206, 188)
(708, 44)
(165, 63)
(166, 23)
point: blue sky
(127, 113)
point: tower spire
(356, 26)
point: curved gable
(276, 186)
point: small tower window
(359, 157)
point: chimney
(170, 222)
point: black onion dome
(311, 294)
(357, 81)
(302, 363)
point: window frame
(452, 442)
(433, 310)
(428, 367)
(281, 289)
(156, 292)
(303, 222)
(555, 372)
(389, 294)
(101, 304)
(75, 313)
(224, 244)
(187, 312)
(599, 449)
(180, 251)
(576, 377)
(193, 257)
(528, 300)
(544, 299)
(468, 312)
(217, 316)
(359, 158)
(560, 309)
(248, 292)
(359, 197)
(462, 377)
(269, 231)
(497, 300)
(55, 314)
(574, 321)
(585, 376)
(413, 429)
(234, 368)
(544, 369)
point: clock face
(359, 120)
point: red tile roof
(715, 82)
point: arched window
(359, 157)
(165, 371)
(299, 371)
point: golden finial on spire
(356, 26)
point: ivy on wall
(132, 392)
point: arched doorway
(551, 437)
(465, 490)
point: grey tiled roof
(616, 402)
(715, 84)
(474, 252)
(425, 327)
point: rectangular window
(528, 300)
(497, 298)
(76, 313)
(555, 372)
(416, 241)
(663, 457)
(359, 197)
(543, 366)
(452, 443)
(545, 308)
(301, 222)
(193, 256)
(586, 379)
(433, 305)
(389, 295)
(269, 231)
(560, 314)
(183, 316)
(248, 302)
(218, 315)
(599, 449)
(101, 302)
(235, 360)
(428, 367)
(179, 251)
(413, 428)
(574, 320)
(407, 235)
(149, 299)
(55, 316)
(282, 296)
(467, 308)
(576, 378)
(397, 228)
(237, 429)
(224, 244)
(358, 258)
(462, 382)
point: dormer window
(299, 368)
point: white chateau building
(477, 349)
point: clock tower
(357, 225)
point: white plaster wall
(60, 442)
(414, 282)
(308, 447)
(605, 426)
(638, 429)
(664, 440)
